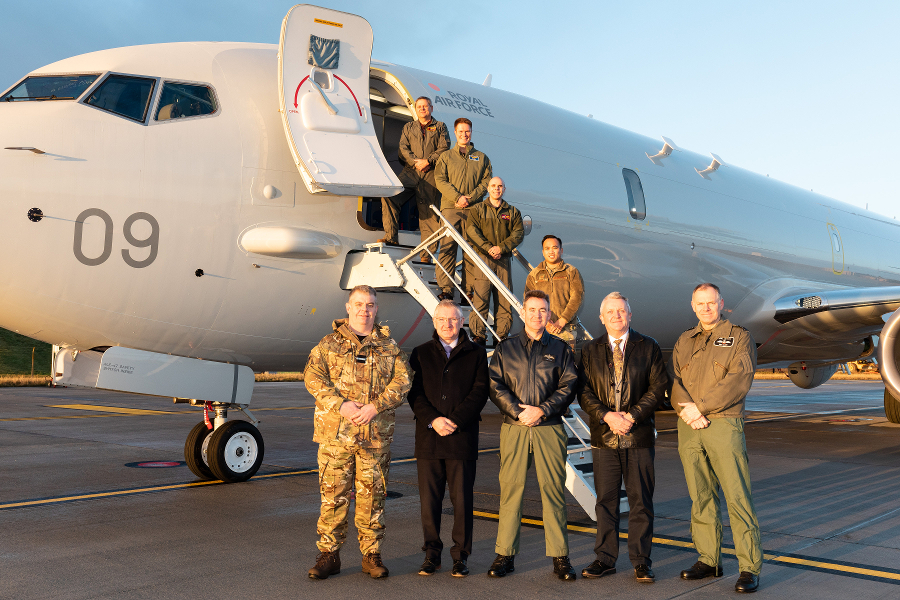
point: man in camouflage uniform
(359, 376)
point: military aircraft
(177, 216)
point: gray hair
(363, 289)
(449, 304)
(707, 286)
(615, 296)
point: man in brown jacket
(358, 376)
(462, 174)
(563, 283)
(421, 143)
(495, 229)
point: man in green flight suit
(358, 376)
(714, 363)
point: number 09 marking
(152, 240)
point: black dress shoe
(563, 568)
(747, 583)
(459, 568)
(429, 567)
(501, 566)
(702, 570)
(445, 296)
(644, 574)
(597, 569)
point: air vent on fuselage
(809, 302)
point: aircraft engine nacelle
(810, 377)
(887, 363)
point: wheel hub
(240, 452)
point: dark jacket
(489, 227)
(544, 376)
(644, 381)
(455, 388)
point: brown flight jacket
(334, 375)
(564, 285)
(413, 146)
(714, 369)
(462, 175)
(488, 227)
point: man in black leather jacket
(624, 377)
(533, 381)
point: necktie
(618, 359)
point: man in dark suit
(623, 379)
(449, 390)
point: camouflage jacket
(333, 375)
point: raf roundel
(434, 87)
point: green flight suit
(714, 369)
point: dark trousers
(459, 476)
(635, 466)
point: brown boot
(372, 565)
(327, 563)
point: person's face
(463, 134)
(616, 317)
(552, 251)
(423, 109)
(447, 323)
(707, 305)
(496, 188)
(361, 310)
(535, 315)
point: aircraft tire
(193, 452)
(235, 451)
(891, 407)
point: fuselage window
(125, 96)
(180, 100)
(50, 87)
(637, 209)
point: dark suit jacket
(455, 388)
(644, 382)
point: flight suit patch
(549, 358)
(504, 217)
(475, 158)
(725, 342)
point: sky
(802, 91)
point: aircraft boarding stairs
(394, 269)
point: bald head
(496, 187)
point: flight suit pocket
(720, 370)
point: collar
(698, 329)
(624, 339)
(562, 267)
(378, 336)
(523, 338)
(469, 149)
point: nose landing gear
(232, 452)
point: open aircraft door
(323, 84)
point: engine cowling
(887, 363)
(810, 377)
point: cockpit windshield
(50, 87)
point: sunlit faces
(496, 189)
(447, 322)
(552, 249)
(707, 305)
(535, 314)
(463, 133)
(423, 109)
(361, 311)
(614, 314)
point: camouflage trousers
(340, 467)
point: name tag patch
(724, 342)
(504, 217)
(549, 358)
(475, 158)
(361, 358)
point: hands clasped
(530, 415)
(443, 426)
(690, 414)
(618, 422)
(359, 414)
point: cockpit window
(180, 100)
(126, 96)
(50, 87)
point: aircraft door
(837, 249)
(323, 85)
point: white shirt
(612, 344)
(448, 348)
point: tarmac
(83, 518)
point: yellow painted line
(115, 409)
(55, 418)
(105, 494)
(790, 560)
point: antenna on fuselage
(487, 80)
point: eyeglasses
(442, 320)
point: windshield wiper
(10, 98)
